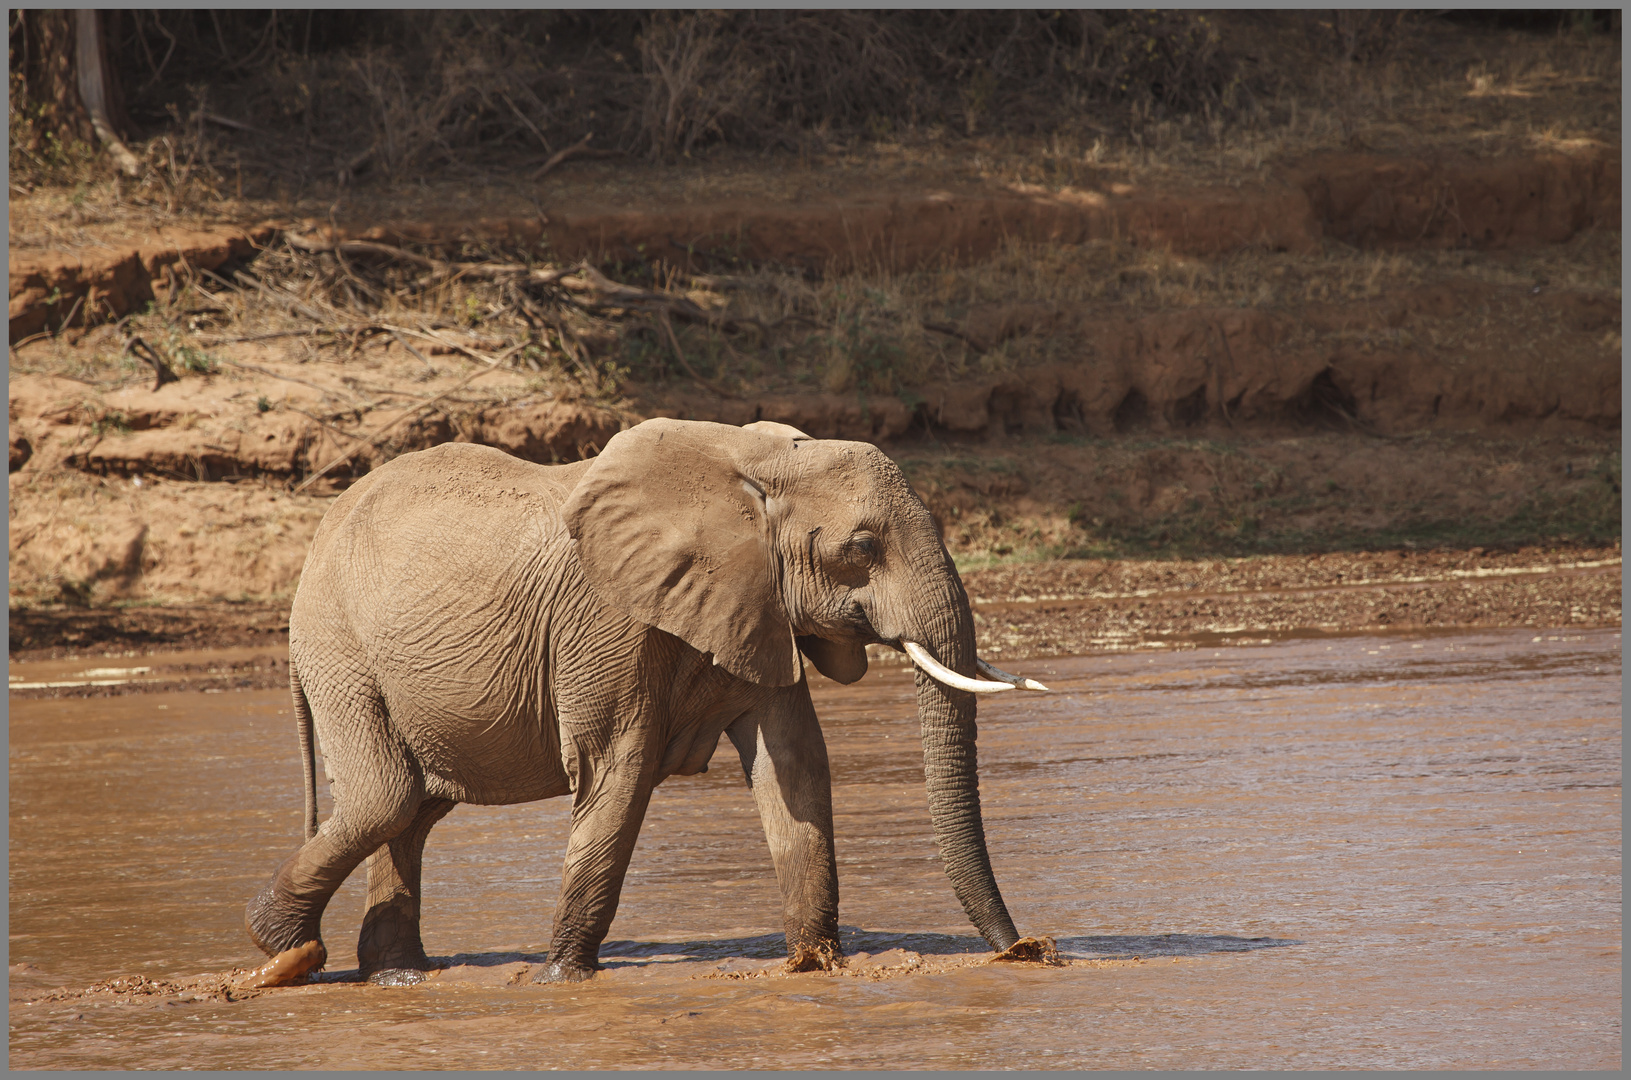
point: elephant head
(754, 544)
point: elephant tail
(308, 760)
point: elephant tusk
(936, 670)
(1020, 681)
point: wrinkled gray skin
(473, 628)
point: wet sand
(1370, 851)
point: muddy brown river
(1362, 852)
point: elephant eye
(862, 549)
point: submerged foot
(820, 956)
(397, 977)
(561, 971)
(291, 967)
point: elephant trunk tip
(1031, 950)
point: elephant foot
(1030, 950)
(564, 971)
(277, 926)
(397, 977)
(291, 967)
(820, 956)
(389, 966)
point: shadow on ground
(856, 940)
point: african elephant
(470, 627)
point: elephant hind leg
(377, 794)
(389, 949)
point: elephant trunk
(951, 763)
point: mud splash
(1364, 852)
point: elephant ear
(670, 527)
(839, 661)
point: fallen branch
(609, 293)
(143, 351)
(78, 300)
(561, 155)
(323, 423)
(490, 271)
(361, 247)
(288, 303)
(31, 339)
(454, 345)
(373, 439)
(211, 343)
(674, 342)
(402, 341)
(952, 331)
(228, 122)
(722, 284)
(274, 375)
(521, 116)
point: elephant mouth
(858, 627)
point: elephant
(470, 627)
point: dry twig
(143, 351)
(575, 150)
(373, 439)
(521, 116)
(406, 344)
(274, 375)
(674, 342)
(952, 331)
(361, 247)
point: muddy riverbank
(1022, 611)
(1386, 851)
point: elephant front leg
(785, 760)
(389, 949)
(612, 791)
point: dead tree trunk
(99, 89)
(48, 63)
(68, 78)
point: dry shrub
(308, 97)
(317, 95)
(881, 330)
(1363, 36)
(779, 77)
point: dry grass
(869, 329)
(874, 330)
(1331, 491)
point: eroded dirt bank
(1461, 356)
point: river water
(1356, 852)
